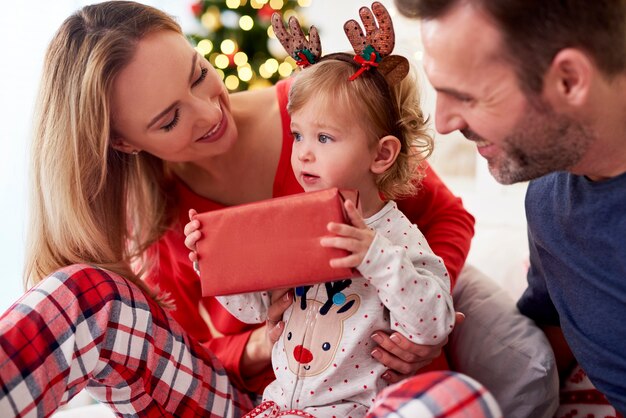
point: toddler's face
(330, 149)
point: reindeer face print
(315, 329)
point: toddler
(356, 124)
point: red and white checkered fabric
(84, 327)
(87, 327)
(442, 394)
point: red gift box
(271, 244)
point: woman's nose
(208, 112)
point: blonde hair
(90, 203)
(383, 110)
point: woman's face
(169, 101)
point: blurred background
(234, 35)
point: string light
(276, 4)
(285, 69)
(228, 46)
(290, 13)
(211, 19)
(234, 41)
(246, 22)
(231, 82)
(271, 65)
(204, 47)
(240, 58)
(257, 4)
(245, 72)
(270, 33)
(221, 61)
(264, 72)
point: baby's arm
(412, 281)
(250, 308)
(192, 236)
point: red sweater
(439, 215)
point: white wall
(25, 30)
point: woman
(133, 129)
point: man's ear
(569, 78)
(387, 151)
(118, 143)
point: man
(540, 87)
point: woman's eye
(203, 73)
(169, 126)
(296, 136)
(324, 138)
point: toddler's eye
(296, 136)
(324, 138)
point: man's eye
(172, 123)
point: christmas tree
(240, 42)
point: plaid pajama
(87, 327)
(436, 395)
(83, 327)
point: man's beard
(542, 142)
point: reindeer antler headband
(305, 52)
(372, 48)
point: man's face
(478, 94)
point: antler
(305, 52)
(381, 37)
(374, 48)
(333, 289)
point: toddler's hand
(192, 235)
(355, 238)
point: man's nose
(448, 118)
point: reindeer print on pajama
(322, 361)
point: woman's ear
(387, 151)
(569, 78)
(119, 144)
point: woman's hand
(281, 299)
(258, 351)
(402, 357)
